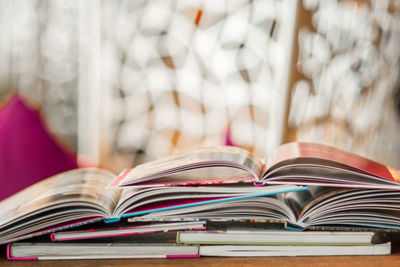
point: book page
(320, 154)
(353, 208)
(297, 201)
(200, 166)
(81, 185)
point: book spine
(10, 257)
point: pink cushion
(28, 153)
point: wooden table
(392, 260)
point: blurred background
(123, 82)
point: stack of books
(304, 199)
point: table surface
(390, 260)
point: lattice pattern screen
(191, 73)
(348, 61)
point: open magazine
(293, 163)
(82, 196)
(317, 208)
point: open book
(293, 163)
(317, 208)
(82, 196)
